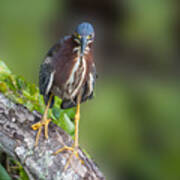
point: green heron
(68, 72)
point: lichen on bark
(20, 106)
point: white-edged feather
(75, 68)
(91, 82)
(77, 40)
(81, 79)
(50, 82)
(47, 60)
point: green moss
(4, 175)
(19, 91)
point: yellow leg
(77, 119)
(44, 122)
(75, 146)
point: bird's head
(84, 35)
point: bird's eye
(78, 36)
(89, 36)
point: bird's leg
(77, 119)
(44, 122)
(75, 146)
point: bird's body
(69, 72)
(53, 78)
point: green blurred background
(132, 126)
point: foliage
(19, 91)
(3, 173)
(13, 167)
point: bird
(69, 72)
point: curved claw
(74, 152)
(38, 126)
(65, 148)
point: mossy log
(17, 139)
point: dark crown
(84, 29)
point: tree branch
(17, 139)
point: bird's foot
(74, 151)
(38, 126)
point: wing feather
(46, 73)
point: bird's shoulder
(57, 46)
(47, 69)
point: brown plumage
(68, 72)
(60, 61)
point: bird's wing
(46, 74)
(47, 71)
(94, 72)
(89, 85)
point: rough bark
(17, 139)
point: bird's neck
(77, 50)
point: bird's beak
(83, 45)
